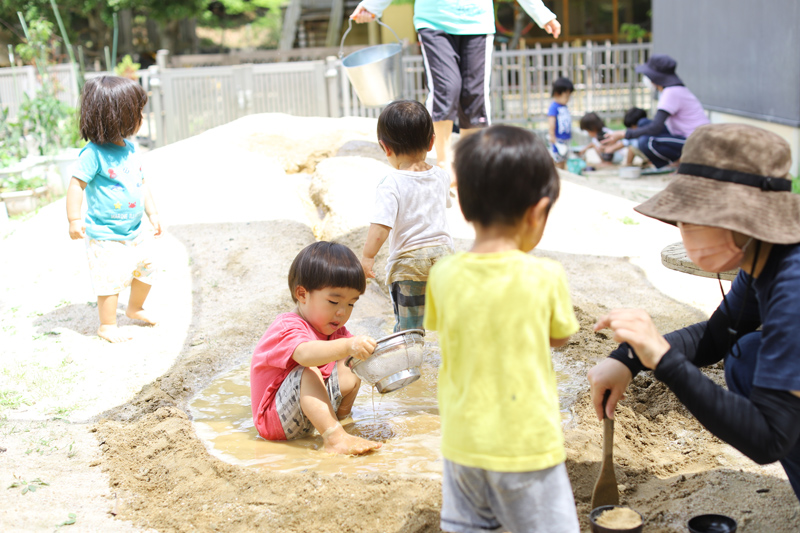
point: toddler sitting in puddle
(298, 379)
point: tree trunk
(98, 32)
(519, 25)
(169, 33)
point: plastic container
(395, 362)
(712, 523)
(630, 173)
(575, 165)
(596, 528)
(375, 71)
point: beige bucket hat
(735, 177)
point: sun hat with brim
(660, 68)
(735, 177)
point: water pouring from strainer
(394, 364)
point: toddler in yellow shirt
(498, 311)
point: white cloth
(414, 205)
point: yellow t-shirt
(498, 401)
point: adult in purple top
(678, 109)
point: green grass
(37, 381)
(796, 184)
(27, 486)
(11, 399)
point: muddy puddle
(406, 421)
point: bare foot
(112, 333)
(342, 442)
(142, 315)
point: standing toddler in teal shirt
(110, 171)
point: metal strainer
(395, 362)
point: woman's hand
(635, 327)
(553, 28)
(361, 15)
(77, 229)
(611, 375)
(361, 347)
(613, 137)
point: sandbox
(239, 202)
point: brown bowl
(596, 528)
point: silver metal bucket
(375, 71)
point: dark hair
(405, 126)
(326, 264)
(562, 85)
(111, 109)
(592, 122)
(633, 116)
(500, 172)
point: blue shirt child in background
(560, 121)
(110, 171)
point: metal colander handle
(350, 27)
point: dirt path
(118, 450)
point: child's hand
(77, 229)
(361, 347)
(156, 222)
(367, 264)
(613, 137)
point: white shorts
(113, 265)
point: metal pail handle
(350, 27)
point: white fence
(19, 81)
(186, 101)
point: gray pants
(457, 69)
(476, 500)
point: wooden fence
(187, 101)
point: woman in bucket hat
(733, 203)
(678, 109)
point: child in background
(110, 171)
(498, 311)
(410, 205)
(596, 128)
(635, 117)
(560, 121)
(298, 378)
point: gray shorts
(476, 500)
(287, 402)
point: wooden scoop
(605, 489)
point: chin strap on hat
(733, 340)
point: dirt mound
(169, 481)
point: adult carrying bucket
(375, 71)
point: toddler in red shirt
(298, 379)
